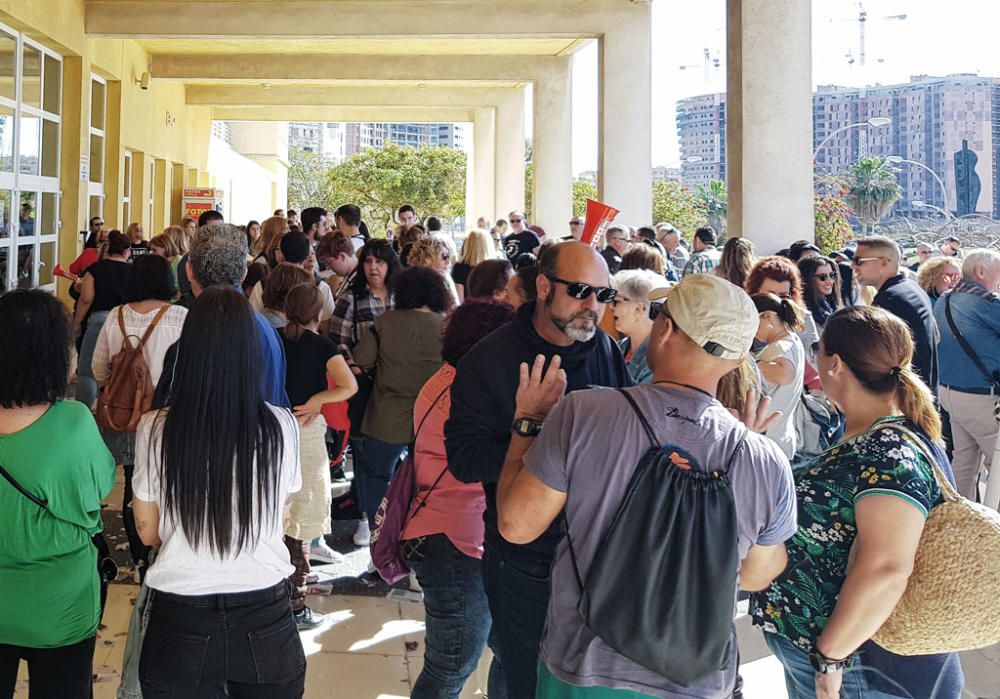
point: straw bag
(950, 600)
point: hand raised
(539, 389)
(756, 413)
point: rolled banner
(598, 217)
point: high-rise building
(930, 117)
(323, 138)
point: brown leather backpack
(129, 391)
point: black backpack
(661, 587)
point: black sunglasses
(579, 290)
(655, 307)
(824, 276)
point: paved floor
(371, 647)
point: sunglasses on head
(826, 275)
(580, 291)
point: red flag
(598, 217)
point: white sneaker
(319, 551)
(362, 535)
(414, 585)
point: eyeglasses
(826, 276)
(655, 308)
(858, 261)
(581, 291)
(517, 220)
(576, 223)
(445, 255)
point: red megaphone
(598, 217)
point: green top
(886, 459)
(49, 590)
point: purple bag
(394, 513)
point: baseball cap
(717, 315)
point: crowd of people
(609, 444)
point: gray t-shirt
(589, 449)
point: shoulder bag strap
(966, 347)
(437, 480)
(948, 491)
(24, 491)
(642, 418)
(737, 449)
(156, 319)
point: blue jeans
(86, 385)
(374, 463)
(518, 591)
(458, 618)
(800, 678)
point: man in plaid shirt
(706, 256)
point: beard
(579, 327)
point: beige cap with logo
(717, 315)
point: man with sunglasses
(877, 263)
(521, 238)
(573, 287)
(617, 239)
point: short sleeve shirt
(589, 449)
(517, 244)
(888, 459)
(50, 591)
(110, 284)
(306, 358)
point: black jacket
(478, 430)
(904, 298)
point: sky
(937, 38)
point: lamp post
(895, 159)
(924, 205)
(874, 122)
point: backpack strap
(149, 330)
(642, 418)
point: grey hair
(219, 255)
(635, 284)
(978, 258)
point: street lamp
(895, 159)
(924, 205)
(874, 122)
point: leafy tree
(583, 189)
(676, 204)
(833, 227)
(715, 198)
(307, 180)
(432, 179)
(529, 190)
(872, 189)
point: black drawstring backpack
(661, 588)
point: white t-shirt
(785, 398)
(109, 341)
(257, 300)
(183, 570)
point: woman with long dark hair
(821, 289)
(212, 476)
(862, 505)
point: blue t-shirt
(589, 449)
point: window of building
(30, 118)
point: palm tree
(715, 199)
(872, 190)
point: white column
(510, 155)
(552, 150)
(480, 194)
(624, 178)
(769, 122)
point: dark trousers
(298, 553)
(518, 593)
(53, 673)
(139, 550)
(374, 463)
(242, 645)
(458, 619)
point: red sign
(598, 217)
(194, 209)
(196, 193)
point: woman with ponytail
(782, 363)
(864, 500)
(314, 364)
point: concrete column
(769, 122)
(552, 150)
(510, 155)
(160, 195)
(624, 173)
(75, 141)
(480, 196)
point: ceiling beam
(416, 114)
(316, 95)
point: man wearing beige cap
(583, 462)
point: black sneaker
(337, 474)
(306, 619)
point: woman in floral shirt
(872, 492)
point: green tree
(308, 184)
(676, 204)
(432, 179)
(832, 227)
(872, 190)
(583, 189)
(715, 199)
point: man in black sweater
(877, 263)
(573, 289)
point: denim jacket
(976, 312)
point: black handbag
(107, 569)
(661, 588)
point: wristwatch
(526, 427)
(826, 666)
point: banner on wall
(598, 217)
(198, 200)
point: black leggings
(139, 550)
(53, 673)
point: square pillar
(769, 122)
(480, 196)
(161, 195)
(625, 117)
(510, 155)
(73, 204)
(552, 150)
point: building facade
(339, 140)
